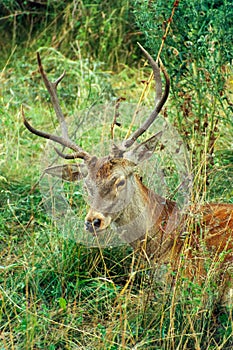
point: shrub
(197, 54)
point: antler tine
(160, 99)
(52, 90)
(63, 140)
(71, 156)
(79, 152)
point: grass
(57, 293)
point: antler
(63, 140)
(160, 99)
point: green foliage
(197, 54)
(199, 29)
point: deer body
(151, 224)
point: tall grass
(56, 293)
(100, 31)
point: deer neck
(149, 221)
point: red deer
(151, 224)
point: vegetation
(56, 293)
(198, 62)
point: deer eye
(120, 183)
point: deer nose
(92, 225)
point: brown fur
(210, 224)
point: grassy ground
(59, 294)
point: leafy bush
(197, 54)
(199, 29)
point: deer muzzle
(96, 222)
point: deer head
(114, 189)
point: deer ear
(68, 172)
(144, 150)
